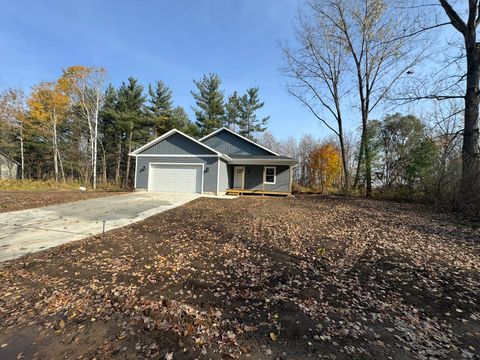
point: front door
(238, 177)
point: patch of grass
(45, 185)
(400, 194)
(299, 189)
(108, 187)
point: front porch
(241, 192)
(248, 179)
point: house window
(270, 174)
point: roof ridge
(167, 135)
(223, 128)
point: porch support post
(263, 179)
(291, 178)
(243, 178)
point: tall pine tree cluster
(239, 113)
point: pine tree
(249, 124)
(132, 118)
(161, 107)
(110, 135)
(182, 122)
(233, 110)
(209, 100)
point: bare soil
(255, 278)
(22, 200)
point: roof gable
(175, 142)
(230, 143)
(7, 158)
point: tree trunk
(61, 165)
(344, 157)
(360, 159)
(119, 163)
(95, 147)
(55, 148)
(22, 156)
(470, 150)
(104, 165)
(127, 172)
(368, 167)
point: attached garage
(175, 177)
(175, 162)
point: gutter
(262, 162)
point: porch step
(256, 192)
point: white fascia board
(262, 162)
(240, 136)
(153, 142)
(176, 155)
(166, 135)
(223, 156)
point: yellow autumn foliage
(325, 164)
(48, 105)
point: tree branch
(303, 101)
(419, 31)
(457, 22)
(430, 97)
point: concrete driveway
(31, 230)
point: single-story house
(221, 162)
(8, 167)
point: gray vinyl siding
(254, 178)
(210, 172)
(227, 143)
(177, 144)
(223, 181)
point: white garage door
(185, 178)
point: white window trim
(274, 175)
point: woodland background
(351, 59)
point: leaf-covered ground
(254, 278)
(22, 200)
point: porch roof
(261, 160)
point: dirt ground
(254, 278)
(22, 200)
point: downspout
(218, 175)
(136, 170)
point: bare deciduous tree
(365, 37)
(12, 112)
(317, 68)
(306, 146)
(458, 79)
(87, 87)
